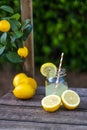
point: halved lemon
(70, 99)
(51, 103)
(48, 70)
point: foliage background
(59, 26)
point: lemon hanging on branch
(23, 52)
(13, 34)
(4, 26)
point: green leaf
(3, 38)
(24, 23)
(27, 31)
(13, 57)
(2, 48)
(18, 34)
(7, 9)
(16, 16)
(15, 25)
(13, 38)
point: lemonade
(52, 88)
(49, 70)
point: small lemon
(24, 91)
(4, 26)
(19, 78)
(26, 51)
(23, 52)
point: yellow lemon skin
(23, 79)
(26, 51)
(51, 109)
(24, 91)
(69, 107)
(23, 52)
(32, 82)
(4, 26)
(19, 78)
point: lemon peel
(4, 26)
(24, 91)
(19, 78)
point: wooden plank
(38, 115)
(41, 91)
(28, 114)
(35, 101)
(26, 12)
(38, 126)
(80, 91)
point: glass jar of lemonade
(52, 88)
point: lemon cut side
(70, 99)
(51, 103)
(48, 69)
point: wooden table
(29, 115)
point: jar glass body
(52, 88)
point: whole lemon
(31, 81)
(24, 91)
(23, 52)
(19, 78)
(4, 26)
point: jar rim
(61, 74)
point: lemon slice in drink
(70, 99)
(51, 103)
(48, 70)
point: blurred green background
(59, 26)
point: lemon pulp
(48, 70)
(70, 99)
(51, 103)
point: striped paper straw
(59, 69)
